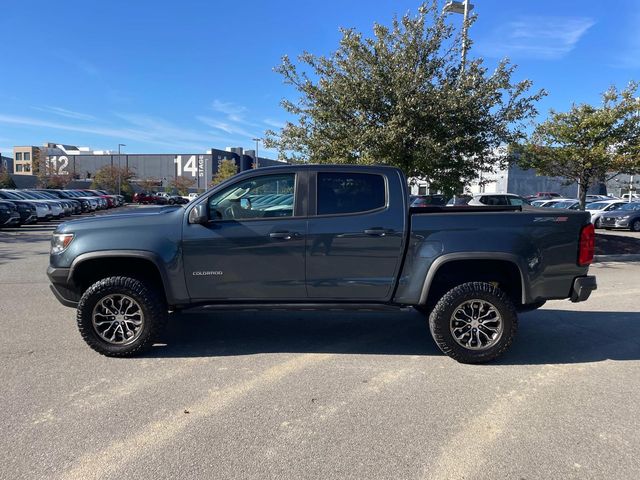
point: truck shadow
(545, 336)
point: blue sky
(190, 75)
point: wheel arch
(505, 263)
(90, 267)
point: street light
(119, 145)
(257, 140)
(464, 8)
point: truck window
(262, 197)
(342, 192)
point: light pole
(119, 145)
(257, 140)
(464, 8)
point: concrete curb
(617, 258)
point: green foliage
(400, 98)
(6, 181)
(226, 170)
(588, 143)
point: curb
(617, 258)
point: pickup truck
(315, 236)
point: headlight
(624, 217)
(60, 242)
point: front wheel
(121, 316)
(635, 226)
(474, 322)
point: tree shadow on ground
(545, 336)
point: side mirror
(198, 214)
(245, 204)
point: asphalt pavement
(316, 395)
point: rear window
(350, 192)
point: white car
(497, 199)
(596, 209)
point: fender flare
(140, 254)
(457, 256)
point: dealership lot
(314, 394)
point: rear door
(355, 234)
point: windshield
(567, 204)
(596, 206)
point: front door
(355, 240)
(253, 246)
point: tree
(180, 184)
(108, 176)
(55, 181)
(149, 184)
(226, 170)
(400, 98)
(588, 143)
(5, 180)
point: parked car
(555, 201)
(427, 200)
(570, 204)
(352, 241)
(596, 209)
(635, 197)
(43, 211)
(9, 216)
(595, 198)
(80, 204)
(109, 201)
(627, 217)
(71, 207)
(544, 196)
(149, 198)
(27, 210)
(55, 206)
(459, 200)
(172, 198)
(494, 199)
(93, 201)
(191, 196)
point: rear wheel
(474, 322)
(121, 316)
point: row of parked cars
(162, 198)
(23, 207)
(606, 212)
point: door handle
(284, 235)
(377, 232)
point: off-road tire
(440, 318)
(153, 306)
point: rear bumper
(60, 287)
(582, 288)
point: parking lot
(321, 395)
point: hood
(620, 213)
(130, 220)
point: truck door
(355, 239)
(253, 246)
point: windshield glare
(630, 206)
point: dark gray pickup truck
(320, 236)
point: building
(82, 163)
(6, 164)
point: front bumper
(614, 222)
(61, 287)
(582, 288)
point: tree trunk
(583, 186)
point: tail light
(587, 245)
